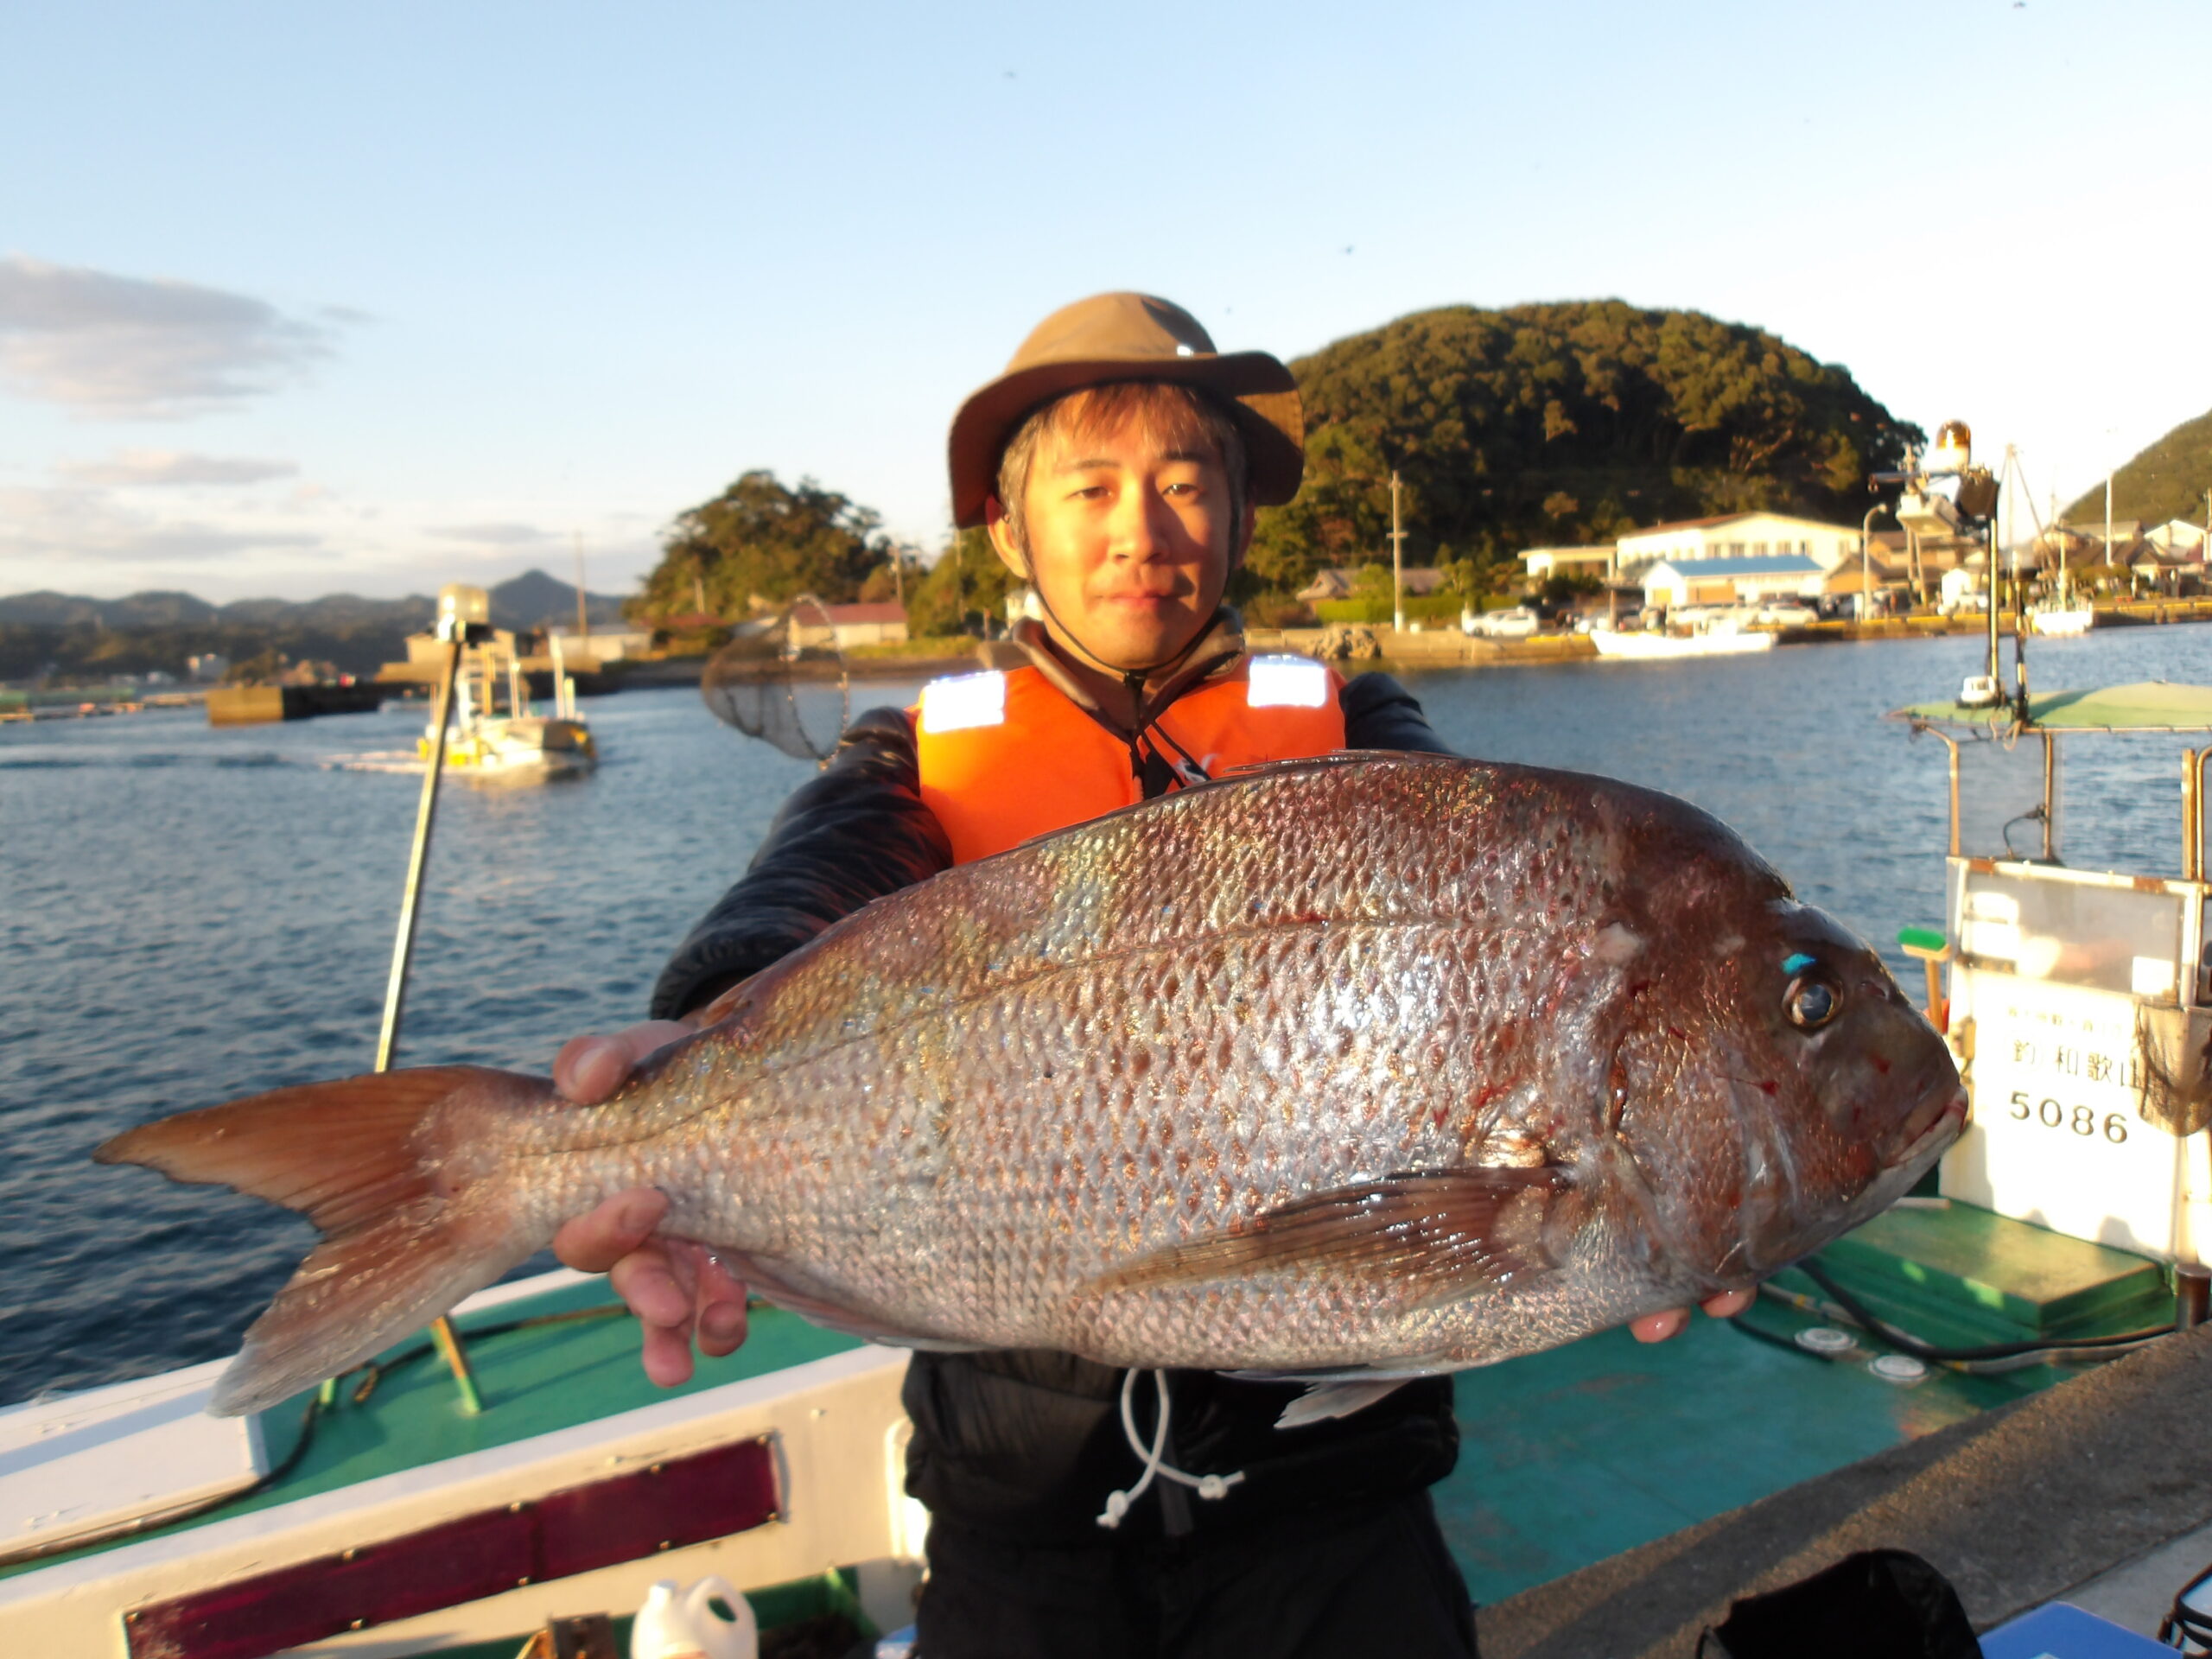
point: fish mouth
(1934, 1122)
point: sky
(297, 300)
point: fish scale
(1076, 1095)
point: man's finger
(644, 1282)
(1657, 1327)
(667, 1354)
(1729, 1303)
(721, 1327)
(593, 1243)
(589, 1069)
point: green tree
(760, 539)
(967, 584)
(2165, 481)
(1562, 423)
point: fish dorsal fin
(1443, 1233)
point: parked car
(1787, 613)
(1517, 624)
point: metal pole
(1865, 565)
(1397, 572)
(583, 621)
(403, 949)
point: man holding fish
(1118, 464)
(1297, 1091)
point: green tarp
(2146, 706)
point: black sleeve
(856, 832)
(1380, 714)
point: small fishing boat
(495, 733)
(2062, 620)
(1719, 633)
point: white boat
(496, 733)
(1722, 635)
(2063, 620)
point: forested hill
(1563, 424)
(2167, 480)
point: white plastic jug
(676, 1623)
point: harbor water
(189, 914)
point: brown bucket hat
(1114, 337)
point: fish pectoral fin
(1442, 1234)
(1326, 1400)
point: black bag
(1879, 1604)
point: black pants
(1375, 1579)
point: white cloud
(494, 535)
(144, 467)
(45, 530)
(126, 347)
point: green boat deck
(1568, 1457)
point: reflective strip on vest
(1287, 683)
(1043, 764)
(964, 702)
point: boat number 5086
(2081, 1120)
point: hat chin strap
(1091, 658)
(1132, 678)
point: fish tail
(395, 1170)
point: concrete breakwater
(1449, 648)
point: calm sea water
(189, 914)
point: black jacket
(1028, 1443)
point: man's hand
(678, 1290)
(1657, 1327)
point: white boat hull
(1654, 647)
(2073, 620)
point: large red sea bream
(1339, 1070)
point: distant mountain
(534, 599)
(529, 601)
(147, 610)
(2167, 480)
(68, 634)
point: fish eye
(1811, 1002)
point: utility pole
(1397, 561)
(583, 621)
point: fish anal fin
(1443, 1234)
(1326, 1400)
(782, 1285)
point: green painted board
(533, 1381)
(1571, 1456)
(1958, 1275)
(2145, 706)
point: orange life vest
(1005, 755)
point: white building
(2179, 536)
(873, 624)
(1675, 583)
(606, 645)
(1739, 536)
(1545, 562)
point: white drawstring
(1117, 1503)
